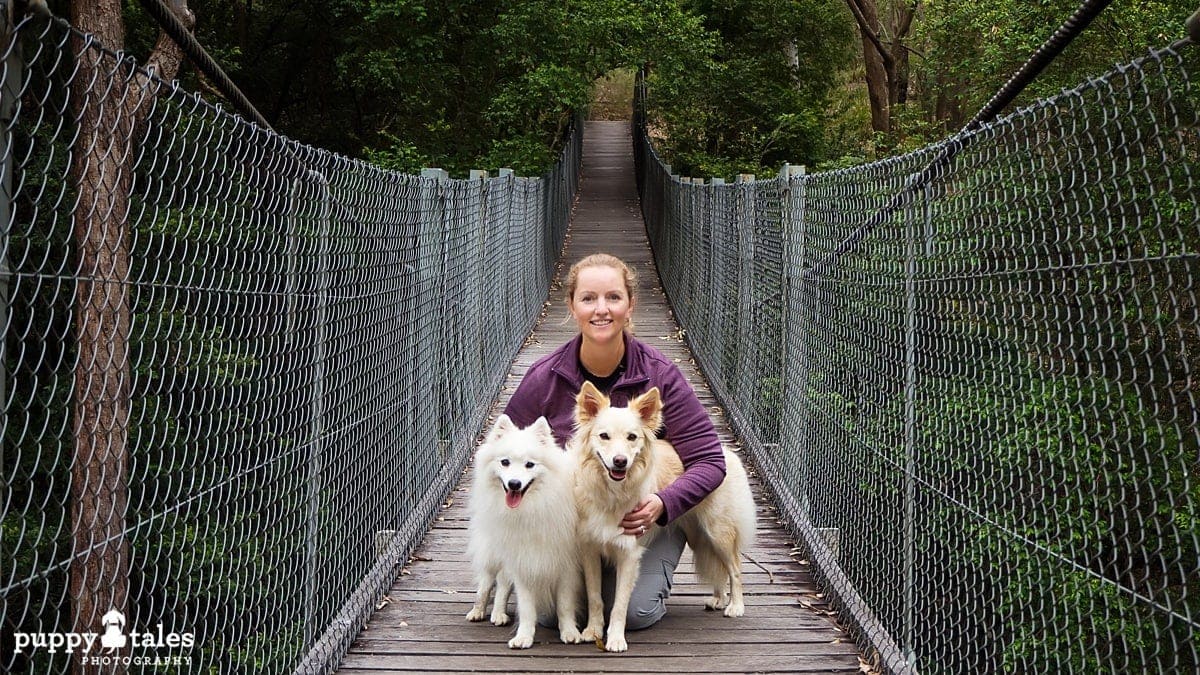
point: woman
(600, 296)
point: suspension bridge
(421, 627)
(242, 379)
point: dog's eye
(528, 465)
(604, 435)
(504, 462)
(631, 437)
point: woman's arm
(691, 432)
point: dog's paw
(476, 614)
(570, 635)
(735, 609)
(616, 643)
(592, 633)
(500, 618)
(521, 642)
(714, 603)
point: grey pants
(648, 603)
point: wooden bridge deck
(787, 627)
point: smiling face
(601, 303)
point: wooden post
(745, 348)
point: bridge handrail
(979, 419)
(239, 375)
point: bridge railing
(980, 417)
(239, 374)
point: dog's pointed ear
(502, 426)
(588, 403)
(648, 406)
(543, 432)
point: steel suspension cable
(195, 52)
(1037, 62)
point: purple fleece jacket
(550, 385)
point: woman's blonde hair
(603, 260)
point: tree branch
(868, 32)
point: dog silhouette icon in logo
(113, 637)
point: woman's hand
(638, 521)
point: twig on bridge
(759, 565)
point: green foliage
(454, 84)
(749, 107)
(1077, 550)
(969, 50)
(37, 445)
(612, 95)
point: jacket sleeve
(540, 394)
(525, 405)
(691, 432)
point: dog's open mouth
(617, 474)
(512, 498)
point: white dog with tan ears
(620, 462)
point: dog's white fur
(523, 529)
(718, 529)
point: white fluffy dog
(620, 462)
(522, 530)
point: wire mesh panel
(239, 374)
(980, 414)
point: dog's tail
(746, 511)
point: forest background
(736, 86)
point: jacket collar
(567, 367)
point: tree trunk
(875, 58)
(99, 573)
(107, 102)
(899, 75)
(878, 92)
(885, 65)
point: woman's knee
(644, 613)
(648, 603)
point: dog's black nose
(620, 461)
(514, 485)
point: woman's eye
(604, 435)
(504, 462)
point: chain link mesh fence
(980, 416)
(239, 375)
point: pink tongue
(512, 499)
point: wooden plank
(602, 663)
(373, 641)
(550, 648)
(788, 627)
